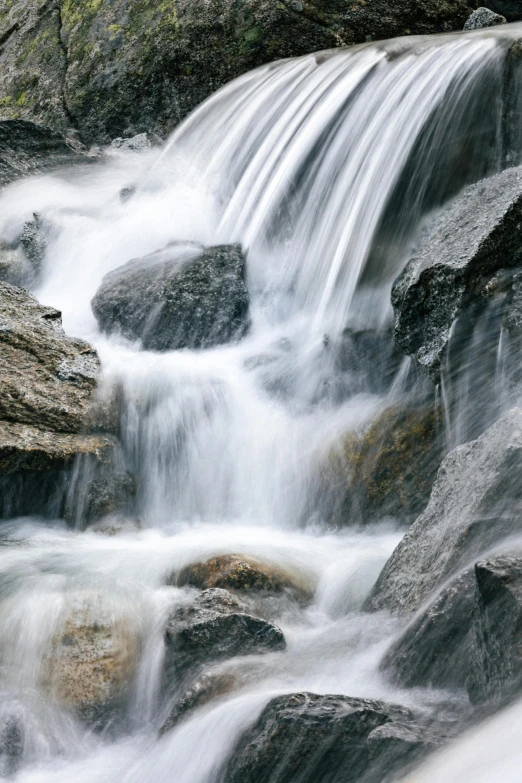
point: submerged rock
(435, 648)
(242, 574)
(496, 658)
(15, 267)
(474, 238)
(389, 469)
(201, 691)
(183, 296)
(124, 67)
(484, 17)
(92, 658)
(308, 737)
(216, 626)
(475, 502)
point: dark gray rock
(183, 296)
(496, 659)
(125, 67)
(307, 737)
(34, 241)
(434, 650)
(215, 627)
(202, 690)
(475, 502)
(474, 238)
(27, 149)
(15, 268)
(484, 17)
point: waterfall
(327, 169)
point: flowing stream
(326, 169)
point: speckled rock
(475, 502)
(478, 235)
(183, 296)
(119, 67)
(484, 17)
(333, 739)
(496, 656)
(92, 658)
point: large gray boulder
(477, 236)
(183, 296)
(119, 68)
(484, 17)
(308, 737)
(475, 502)
(496, 655)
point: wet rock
(125, 67)
(12, 743)
(332, 739)
(477, 236)
(92, 658)
(370, 358)
(484, 17)
(243, 574)
(15, 268)
(138, 143)
(434, 650)
(388, 470)
(201, 691)
(496, 658)
(34, 241)
(183, 296)
(215, 627)
(476, 501)
(27, 149)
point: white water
(308, 164)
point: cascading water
(323, 169)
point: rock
(475, 502)
(34, 241)
(27, 149)
(15, 268)
(477, 236)
(92, 658)
(484, 17)
(387, 470)
(202, 690)
(243, 574)
(496, 657)
(369, 357)
(183, 296)
(48, 379)
(213, 628)
(124, 67)
(12, 743)
(138, 143)
(434, 650)
(332, 739)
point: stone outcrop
(496, 654)
(120, 67)
(310, 737)
(471, 242)
(183, 296)
(484, 17)
(475, 502)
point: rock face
(215, 627)
(180, 297)
(91, 659)
(476, 500)
(496, 657)
(475, 238)
(307, 737)
(26, 148)
(389, 469)
(118, 67)
(484, 17)
(434, 650)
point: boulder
(216, 626)
(387, 469)
(183, 296)
(475, 502)
(308, 737)
(496, 656)
(125, 67)
(434, 650)
(15, 267)
(484, 17)
(205, 688)
(27, 149)
(92, 658)
(243, 574)
(474, 238)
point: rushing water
(324, 169)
